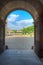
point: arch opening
(19, 30)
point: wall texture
(35, 7)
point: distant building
(7, 31)
(19, 31)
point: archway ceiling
(33, 3)
(3, 2)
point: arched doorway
(30, 6)
(19, 30)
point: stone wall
(35, 8)
(2, 36)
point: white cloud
(12, 26)
(24, 22)
(20, 24)
(12, 18)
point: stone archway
(35, 8)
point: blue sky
(19, 19)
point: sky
(19, 19)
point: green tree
(28, 30)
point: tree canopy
(28, 30)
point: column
(37, 37)
(2, 36)
(41, 37)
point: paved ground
(19, 57)
(20, 42)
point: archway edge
(13, 5)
